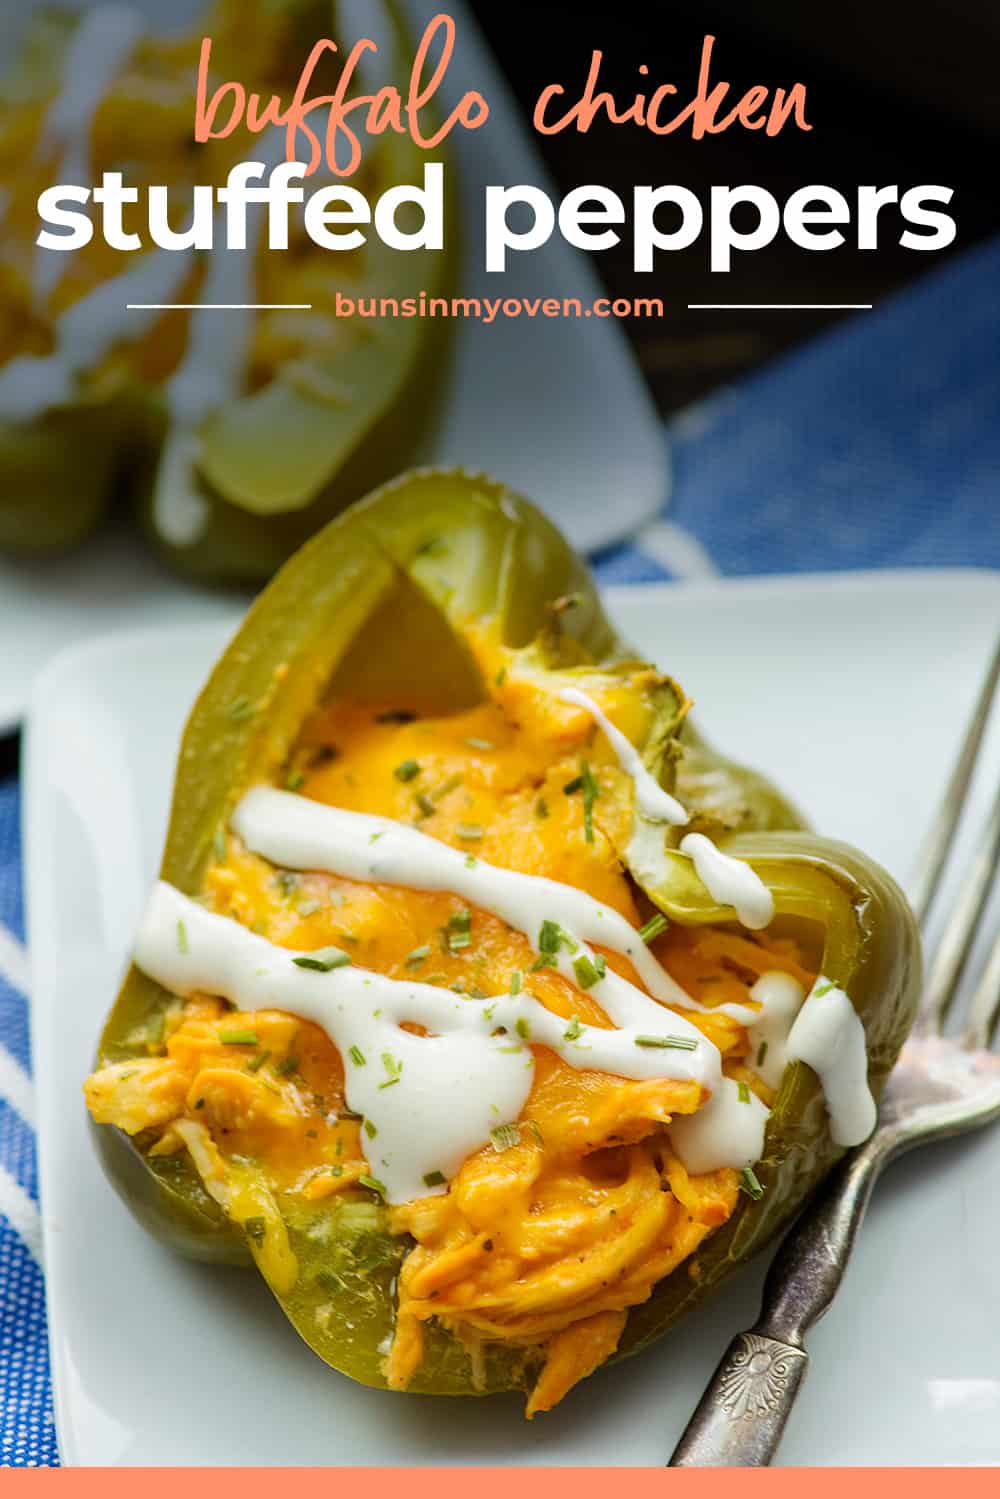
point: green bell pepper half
(382, 604)
(275, 464)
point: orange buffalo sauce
(548, 1235)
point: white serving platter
(851, 691)
(556, 408)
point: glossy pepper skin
(275, 464)
(388, 596)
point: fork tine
(960, 932)
(985, 1008)
(937, 845)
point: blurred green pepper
(311, 431)
(383, 604)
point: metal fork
(940, 1086)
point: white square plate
(589, 445)
(852, 692)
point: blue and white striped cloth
(875, 446)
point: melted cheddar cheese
(549, 1235)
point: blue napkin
(877, 445)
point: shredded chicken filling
(547, 1236)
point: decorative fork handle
(742, 1414)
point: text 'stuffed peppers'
(235, 435)
(403, 599)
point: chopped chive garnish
(425, 805)
(480, 744)
(668, 1043)
(370, 1129)
(551, 937)
(574, 1030)
(219, 844)
(515, 981)
(240, 709)
(591, 791)
(500, 677)
(541, 808)
(743, 1092)
(823, 989)
(761, 1053)
(393, 1067)
(323, 960)
(417, 956)
(295, 782)
(548, 937)
(458, 931)
(522, 1027)
(255, 1229)
(357, 1056)
(182, 938)
(373, 1183)
(750, 1185)
(407, 771)
(471, 861)
(471, 831)
(545, 960)
(374, 837)
(654, 927)
(238, 1038)
(336, 1170)
(257, 1062)
(286, 881)
(507, 1051)
(505, 1137)
(589, 971)
(287, 1067)
(435, 1179)
(446, 787)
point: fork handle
(742, 1414)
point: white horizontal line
(780, 306)
(218, 307)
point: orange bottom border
(496, 1483)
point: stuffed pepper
(215, 390)
(480, 1002)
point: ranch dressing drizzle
(454, 1085)
(826, 1033)
(104, 40)
(780, 997)
(829, 1036)
(651, 801)
(30, 386)
(730, 881)
(296, 833)
(212, 370)
(727, 1131)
